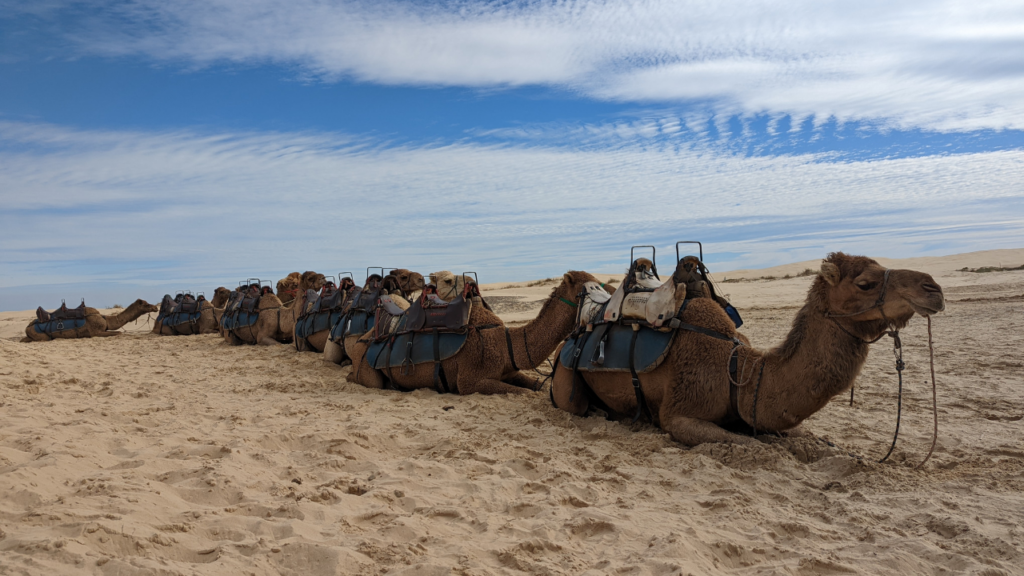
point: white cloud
(948, 65)
(186, 207)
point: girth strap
(641, 401)
(511, 354)
(440, 382)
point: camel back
(63, 322)
(320, 311)
(431, 330)
(182, 313)
(359, 316)
(242, 309)
(632, 330)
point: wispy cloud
(947, 65)
(189, 208)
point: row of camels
(691, 394)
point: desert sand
(155, 455)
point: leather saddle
(62, 313)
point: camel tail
(129, 314)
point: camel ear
(830, 272)
(567, 278)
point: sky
(150, 146)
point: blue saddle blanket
(317, 322)
(57, 326)
(422, 350)
(239, 319)
(179, 318)
(358, 322)
(651, 349)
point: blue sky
(151, 146)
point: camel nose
(931, 287)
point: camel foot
(26, 339)
(269, 342)
(691, 431)
(522, 381)
(104, 334)
(489, 386)
(334, 352)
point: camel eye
(865, 286)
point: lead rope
(897, 350)
(935, 401)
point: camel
(288, 287)
(853, 301)
(209, 319)
(483, 365)
(276, 321)
(96, 324)
(220, 297)
(399, 282)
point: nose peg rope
(935, 402)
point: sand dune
(157, 455)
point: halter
(897, 351)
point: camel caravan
(665, 351)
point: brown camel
(220, 297)
(96, 324)
(853, 301)
(483, 364)
(276, 321)
(399, 281)
(288, 287)
(208, 321)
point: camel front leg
(521, 380)
(691, 431)
(562, 391)
(489, 386)
(364, 375)
(334, 352)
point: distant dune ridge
(182, 455)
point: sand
(182, 455)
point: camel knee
(563, 395)
(691, 432)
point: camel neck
(535, 341)
(817, 361)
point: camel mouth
(929, 308)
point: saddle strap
(511, 354)
(641, 401)
(440, 382)
(577, 351)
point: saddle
(359, 311)
(430, 330)
(62, 313)
(61, 320)
(321, 311)
(242, 309)
(633, 329)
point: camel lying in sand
(276, 321)
(95, 325)
(207, 323)
(853, 301)
(399, 282)
(484, 364)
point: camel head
(289, 282)
(346, 284)
(311, 281)
(857, 288)
(449, 286)
(408, 281)
(220, 297)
